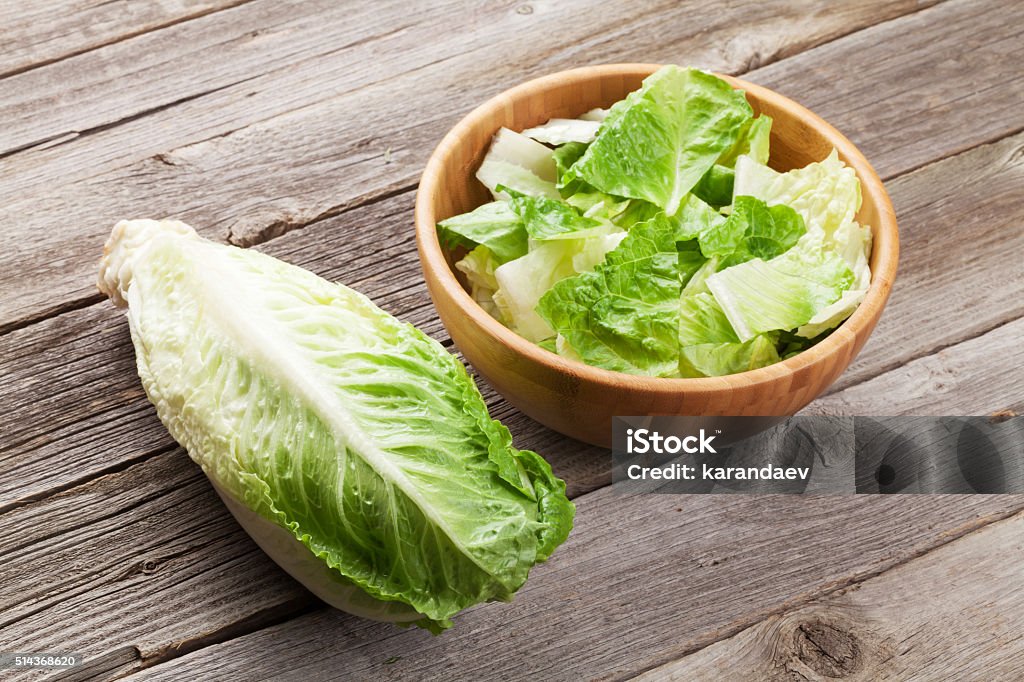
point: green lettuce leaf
(479, 265)
(708, 346)
(494, 225)
(779, 294)
(546, 218)
(624, 316)
(659, 141)
(522, 282)
(753, 230)
(355, 433)
(826, 193)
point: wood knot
(828, 650)
(149, 566)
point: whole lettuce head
(355, 448)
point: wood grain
(145, 559)
(953, 614)
(278, 174)
(979, 376)
(911, 91)
(642, 580)
(210, 77)
(36, 34)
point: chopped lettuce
(520, 163)
(782, 293)
(546, 218)
(522, 282)
(753, 230)
(624, 315)
(708, 346)
(478, 266)
(659, 242)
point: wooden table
(300, 128)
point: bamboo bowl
(579, 400)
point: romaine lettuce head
(359, 437)
(659, 141)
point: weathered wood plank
(979, 376)
(279, 174)
(186, 60)
(34, 34)
(71, 405)
(641, 581)
(72, 385)
(312, 63)
(911, 91)
(953, 614)
(961, 237)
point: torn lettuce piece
(659, 141)
(852, 241)
(708, 345)
(716, 187)
(826, 194)
(494, 225)
(752, 142)
(695, 218)
(516, 161)
(522, 282)
(545, 218)
(598, 205)
(782, 293)
(624, 316)
(564, 157)
(479, 265)
(598, 115)
(753, 230)
(562, 130)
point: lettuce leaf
(546, 218)
(624, 316)
(479, 266)
(516, 161)
(562, 130)
(753, 230)
(782, 293)
(659, 141)
(708, 346)
(522, 282)
(494, 225)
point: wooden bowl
(579, 400)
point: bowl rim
(884, 255)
